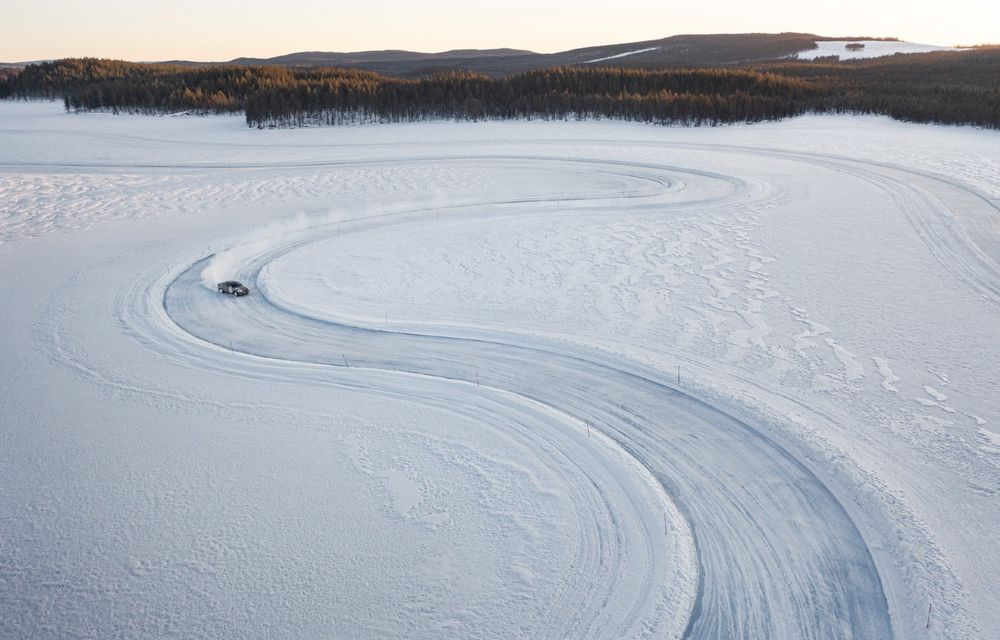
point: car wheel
(220, 290)
(236, 294)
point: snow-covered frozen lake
(498, 380)
(871, 49)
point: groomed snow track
(778, 556)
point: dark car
(233, 287)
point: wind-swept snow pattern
(502, 380)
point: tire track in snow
(779, 556)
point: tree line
(689, 97)
(959, 88)
(942, 87)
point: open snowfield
(872, 49)
(498, 380)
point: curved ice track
(778, 555)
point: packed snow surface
(498, 380)
(871, 49)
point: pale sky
(224, 29)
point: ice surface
(827, 283)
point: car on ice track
(233, 287)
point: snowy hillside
(498, 380)
(871, 49)
(622, 55)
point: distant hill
(675, 51)
(714, 50)
(324, 58)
